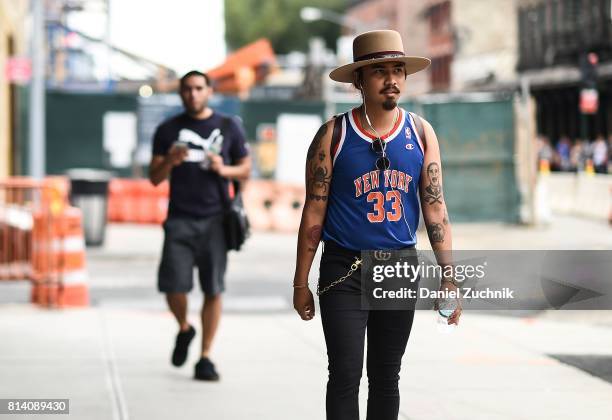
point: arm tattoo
(314, 236)
(436, 232)
(433, 191)
(316, 142)
(317, 197)
(317, 174)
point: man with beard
(200, 150)
(362, 193)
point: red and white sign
(18, 70)
(266, 132)
(589, 101)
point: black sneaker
(205, 370)
(183, 339)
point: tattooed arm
(432, 196)
(434, 210)
(318, 179)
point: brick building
(473, 44)
(485, 53)
(406, 17)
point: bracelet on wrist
(450, 280)
(300, 286)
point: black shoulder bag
(235, 221)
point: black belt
(335, 248)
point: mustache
(391, 89)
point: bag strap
(420, 129)
(223, 184)
(335, 135)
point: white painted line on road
(118, 404)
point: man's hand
(303, 303)
(216, 164)
(454, 318)
(177, 154)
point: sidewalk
(114, 364)
(112, 359)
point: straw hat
(378, 47)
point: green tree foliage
(280, 22)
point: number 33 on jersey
(370, 208)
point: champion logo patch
(409, 146)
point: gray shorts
(189, 243)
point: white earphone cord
(384, 146)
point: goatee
(389, 104)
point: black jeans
(344, 326)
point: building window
(559, 32)
(440, 72)
(439, 18)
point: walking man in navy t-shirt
(200, 150)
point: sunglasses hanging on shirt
(379, 147)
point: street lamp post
(311, 14)
(36, 144)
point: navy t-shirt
(194, 189)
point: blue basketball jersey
(370, 208)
